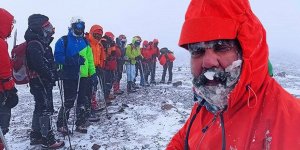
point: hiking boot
(97, 108)
(93, 117)
(169, 82)
(130, 89)
(35, 138)
(50, 142)
(152, 82)
(111, 97)
(63, 130)
(118, 92)
(134, 86)
(147, 84)
(81, 129)
(108, 102)
(162, 82)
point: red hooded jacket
(6, 82)
(260, 113)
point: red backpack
(21, 73)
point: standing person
(166, 59)
(108, 74)
(43, 75)
(146, 61)
(8, 92)
(120, 46)
(94, 37)
(138, 68)
(240, 105)
(155, 54)
(75, 56)
(132, 52)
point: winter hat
(145, 43)
(110, 35)
(36, 21)
(155, 41)
(6, 20)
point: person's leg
(153, 67)
(36, 91)
(81, 105)
(5, 114)
(164, 73)
(170, 67)
(70, 92)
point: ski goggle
(48, 28)
(78, 26)
(198, 49)
(97, 36)
(137, 42)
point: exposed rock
(96, 147)
(176, 84)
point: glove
(53, 79)
(81, 60)
(138, 58)
(9, 98)
(75, 60)
(154, 56)
(94, 80)
(7, 83)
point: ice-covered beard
(215, 84)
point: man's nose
(210, 59)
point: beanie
(36, 21)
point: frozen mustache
(211, 74)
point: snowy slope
(154, 114)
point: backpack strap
(65, 39)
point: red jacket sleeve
(5, 67)
(177, 142)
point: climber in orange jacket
(240, 106)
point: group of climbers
(81, 63)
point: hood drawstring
(248, 87)
(186, 141)
(223, 131)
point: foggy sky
(151, 19)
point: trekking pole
(76, 98)
(105, 104)
(3, 139)
(60, 86)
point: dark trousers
(119, 71)
(139, 68)
(152, 71)
(5, 114)
(42, 93)
(70, 94)
(168, 66)
(106, 77)
(147, 69)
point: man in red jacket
(240, 106)
(8, 96)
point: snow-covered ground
(154, 114)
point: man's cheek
(195, 69)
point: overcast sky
(151, 19)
